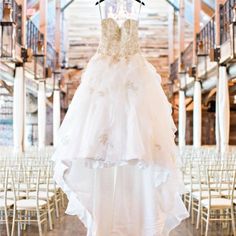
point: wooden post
(19, 97)
(182, 77)
(58, 30)
(196, 30)
(43, 6)
(181, 29)
(217, 21)
(222, 95)
(42, 108)
(56, 92)
(171, 33)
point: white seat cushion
(220, 203)
(25, 187)
(226, 193)
(10, 194)
(195, 187)
(205, 194)
(29, 204)
(42, 195)
(9, 203)
(50, 187)
(219, 186)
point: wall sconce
(8, 33)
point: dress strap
(100, 9)
(140, 6)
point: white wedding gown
(116, 157)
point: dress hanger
(100, 1)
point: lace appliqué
(119, 42)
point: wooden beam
(171, 21)
(23, 24)
(43, 6)
(207, 9)
(196, 30)
(58, 31)
(181, 28)
(217, 20)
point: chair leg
(233, 221)
(26, 214)
(207, 223)
(39, 223)
(192, 211)
(57, 206)
(13, 222)
(49, 215)
(202, 221)
(189, 204)
(7, 223)
(198, 214)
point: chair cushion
(29, 204)
(220, 203)
(10, 194)
(9, 203)
(50, 186)
(205, 194)
(42, 194)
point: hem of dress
(75, 207)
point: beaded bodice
(119, 41)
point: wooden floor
(71, 226)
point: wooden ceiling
(83, 32)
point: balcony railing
(206, 37)
(51, 56)
(33, 36)
(17, 18)
(226, 18)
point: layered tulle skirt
(116, 158)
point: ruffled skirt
(116, 158)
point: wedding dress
(116, 157)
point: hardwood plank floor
(71, 226)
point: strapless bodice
(119, 41)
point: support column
(57, 76)
(19, 109)
(182, 78)
(224, 109)
(41, 115)
(220, 73)
(56, 115)
(197, 114)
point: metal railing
(226, 18)
(33, 36)
(207, 37)
(17, 18)
(51, 56)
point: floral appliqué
(130, 85)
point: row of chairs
(28, 194)
(210, 184)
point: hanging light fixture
(8, 33)
(39, 61)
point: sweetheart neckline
(123, 23)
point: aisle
(70, 226)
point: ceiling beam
(208, 10)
